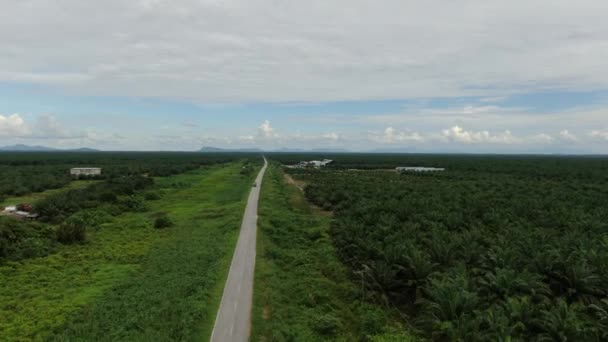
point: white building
(10, 209)
(317, 164)
(85, 171)
(418, 169)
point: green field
(302, 291)
(130, 281)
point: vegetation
(163, 221)
(71, 232)
(25, 173)
(302, 291)
(124, 279)
(24, 239)
(494, 248)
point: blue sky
(465, 76)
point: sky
(472, 76)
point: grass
(132, 282)
(36, 196)
(302, 291)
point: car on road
(255, 184)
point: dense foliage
(75, 210)
(23, 173)
(494, 248)
(24, 239)
(302, 291)
(163, 221)
(129, 281)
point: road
(233, 321)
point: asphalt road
(233, 321)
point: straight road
(233, 321)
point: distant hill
(330, 150)
(38, 148)
(27, 148)
(83, 149)
(208, 149)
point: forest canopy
(494, 247)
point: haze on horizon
(433, 76)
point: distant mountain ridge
(39, 148)
(210, 149)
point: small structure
(85, 171)
(10, 209)
(21, 211)
(317, 164)
(418, 169)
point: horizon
(465, 77)
(320, 151)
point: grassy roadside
(132, 281)
(302, 291)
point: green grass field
(130, 281)
(302, 291)
(36, 196)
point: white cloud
(44, 127)
(263, 50)
(266, 131)
(566, 135)
(542, 138)
(603, 135)
(391, 135)
(13, 126)
(460, 135)
(331, 136)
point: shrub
(326, 324)
(109, 197)
(163, 221)
(152, 196)
(22, 239)
(134, 203)
(91, 218)
(71, 232)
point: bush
(152, 196)
(71, 232)
(134, 203)
(109, 197)
(163, 221)
(326, 324)
(91, 218)
(22, 239)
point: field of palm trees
(494, 248)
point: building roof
(419, 168)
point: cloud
(333, 136)
(13, 126)
(44, 127)
(391, 135)
(542, 138)
(460, 135)
(567, 136)
(263, 50)
(265, 130)
(47, 127)
(602, 135)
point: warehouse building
(85, 171)
(418, 169)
